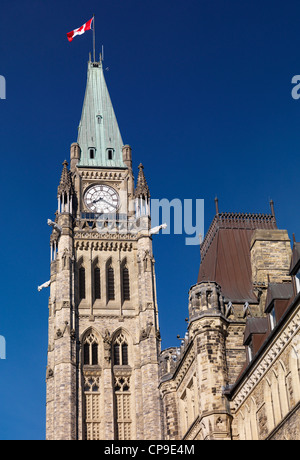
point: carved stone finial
(142, 189)
(65, 185)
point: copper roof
(225, 253)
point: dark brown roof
(279, 291)
(255, 326)
(295, 264)
(225, 253)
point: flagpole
(94, 38)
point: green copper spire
(99, 136)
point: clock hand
(107, 202)
(102, 199)
(96, 201)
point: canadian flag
(81, 30)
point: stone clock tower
(104, 340)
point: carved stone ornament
(107, 346)
(59, 333)
(147, 261)
(73, 334)
(49, 373)
(66, 259)
(145, 333)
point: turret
(205, 296)
(65, 191)
(127, 156)
(142, 194)
(74, 155)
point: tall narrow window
(92, 154)
(94, 354)
(81, 283)
(110, 154)
(124, 354)
(116, 354)
(298, 282)
(97, 285)
(126, 285)
(86, 353)
(110, 283)
(273, 318)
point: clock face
(101, 199)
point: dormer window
(110, 154)
(297, 278)
(273, 320)
(256, 332)
(92, 154)
(250, 350)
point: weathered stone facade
(265, 401)
(237, 373)
(72, 318)
(104, 340)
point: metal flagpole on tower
(94, 38)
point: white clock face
(101, 199)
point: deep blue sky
(202, 93)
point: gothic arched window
(120, 351)
(90, 350)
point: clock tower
(104, 340)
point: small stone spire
(142, 189)
(65, 185)
(65, 191)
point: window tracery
(91, 387)
(120, 350)
(90, 350)
(122, 388)
(123, 407)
